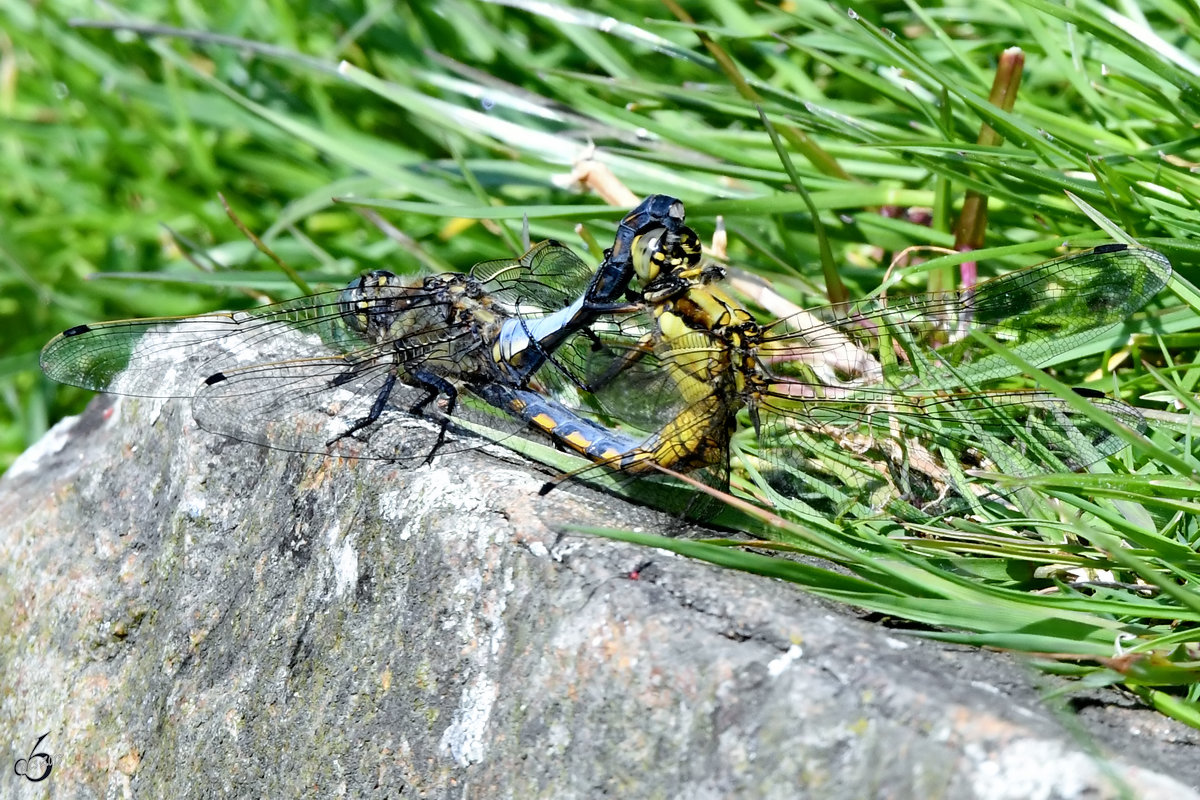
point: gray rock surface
(191, 617)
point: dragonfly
(869, 406)
(319, 373)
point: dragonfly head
(662, 252)
(657, 216)
(373, 303)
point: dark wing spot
(216, 377)
(78, 329)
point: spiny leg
(435, 385)
(376, 408)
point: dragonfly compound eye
(648, 256)
(679, 248)
(371, 301)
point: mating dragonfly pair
(647, 364)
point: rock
(189, 616)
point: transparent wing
(170, 356)
(933, 452)
(548, 277)
(1039, 313)
(309, 406)
(918, 342)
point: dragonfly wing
(147, 358)
(930, 449)
(895, 388)
(1047, 310)
(548, 277)
(169, 356)
(302, 406)
(1039, 313)
(629, 381)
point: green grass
(453, 123)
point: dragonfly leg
(376, 407)
(435, 386)
(617, 307)
(665, 288)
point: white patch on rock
(1041, 769)
(54, 440)
(391, 508)
(986, 687)
(345, 561)
(465, 740)
(194, 502)
(777, 666)
(1032, 769)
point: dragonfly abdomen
(592, 440)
